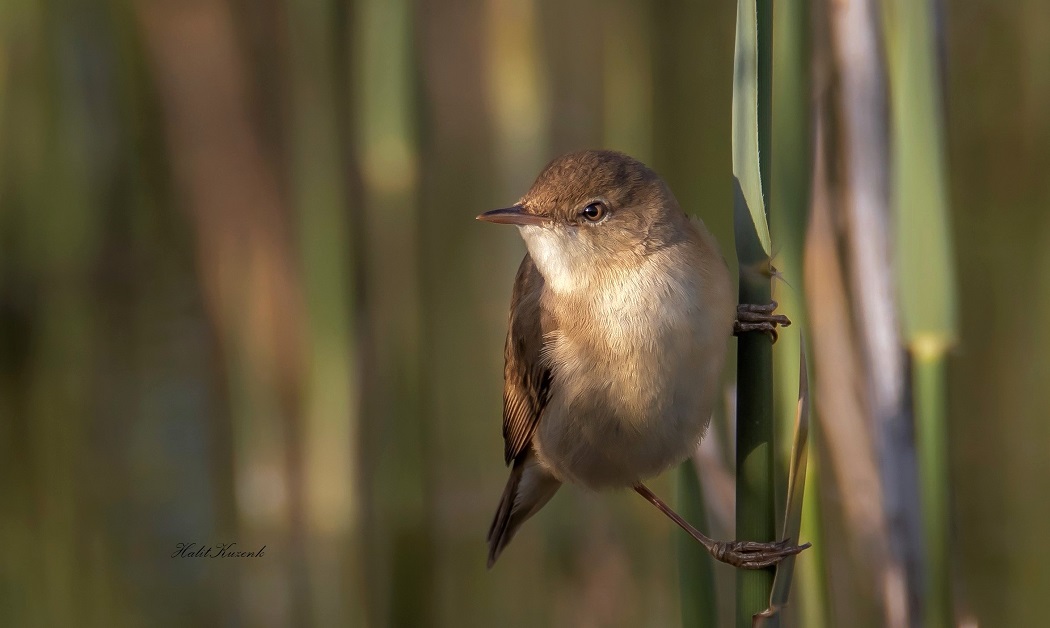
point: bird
(621, 313)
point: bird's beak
(515, 215)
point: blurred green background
(243, 299)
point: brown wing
(526, 382)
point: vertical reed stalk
(696, 576)
(929, 389)
(793, 125)
(329, 401)
(874, 295)
(752, 123)
(399, 549)
(927, 284)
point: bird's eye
(594, 212)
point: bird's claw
(751, 317)
(755, 555)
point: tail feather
(528, 489)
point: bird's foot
(742, 554)
(754, 555)
(751, 317)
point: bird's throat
(561, 257)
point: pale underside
(634, 354)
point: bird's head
(592, 213)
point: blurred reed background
(243, 299)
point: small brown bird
(619, 321)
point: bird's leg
(750, 317)
(742, 554)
